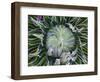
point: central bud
(59, 39)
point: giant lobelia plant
(57, 40)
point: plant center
(59, 39)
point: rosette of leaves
(57, 40)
